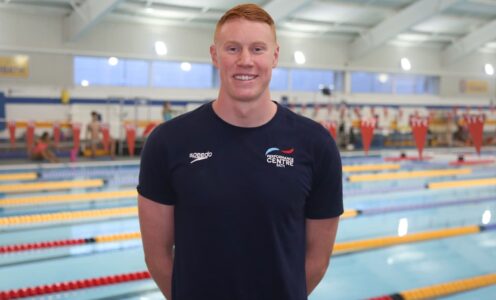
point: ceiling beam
(397, 23)
(86, 16)
(281, 9)
(470, 43)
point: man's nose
(245, 58)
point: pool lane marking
(462, 183)
(442, 289)
(18, 176)
(374, 167)
(48, 199)
(407, 175)
(385, 241)
(339, 248)
(73, 285)
(51, 185)
(68, 216)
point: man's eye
(232, 49)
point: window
(402, 84)
(308, 80)
(280, 77)
(97, 71)
(170, 75)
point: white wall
(41, 38)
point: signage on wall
(14, 66)
(474, 86)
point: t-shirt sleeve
(326, 197)
(154, 176)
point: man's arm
(157, 233)
(321, 234)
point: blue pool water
(360, 275)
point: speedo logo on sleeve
(274, 156)
(196, 156)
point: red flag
(76, 131)
(385, 112)
(12, 129)
(367, 128)
(475, 126)
(331, 127)
(30, 135)
(130, 137)
(149, 128)
(56, 133)
(106, 136)
(419, 127)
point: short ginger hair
(250, 12)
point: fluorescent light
(299, 57)
(489, 69)
(113, 61)
(85, 83)
(403, 227)
(160, 48)
(405, 64)
(186, 66)
(149, 10)
(486, 217)
(383, 78)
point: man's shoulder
(302, 124)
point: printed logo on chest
(280, 158)
(196, 156)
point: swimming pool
(97, 216)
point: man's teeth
(244, 77)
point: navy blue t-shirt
(241, 197)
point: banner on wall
(14, 66)
(474, 86)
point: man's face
(245, 53)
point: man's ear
(276, 56)
(213, 54)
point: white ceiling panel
(343, 20)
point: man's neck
(245, 114)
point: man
(240, 198)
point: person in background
(244, 203)
(94, 135)
(166, 111)
(42, 151)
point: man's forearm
(161, 271)
(314, 270)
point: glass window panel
(136, 73)
(405, 84)
(382, 83)
(279, 80)
(170, 75)
(307, 80)
(97, 71)
(361, 82)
